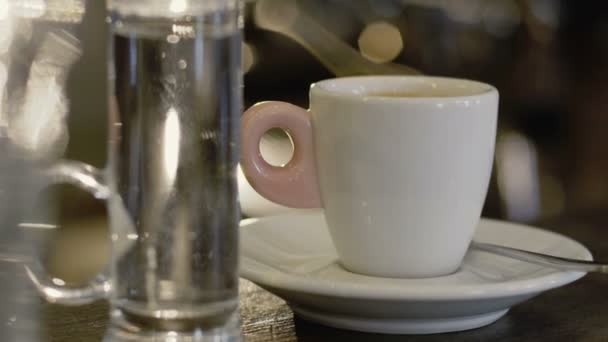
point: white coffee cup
(400, 164)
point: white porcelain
(402, 179)
(293, 256)
(422, 166)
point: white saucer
(292, 256)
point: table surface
(577, 312)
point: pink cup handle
(295, 184)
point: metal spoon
(564, 264)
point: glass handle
(91, 180)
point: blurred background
(548, 58)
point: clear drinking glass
(170, 183)
(19, 305)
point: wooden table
(577, 312)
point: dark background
(548, 58)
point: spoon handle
(542, 259)
(284, 17)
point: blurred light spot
(40, 122)
(276, 147)
(6, 36)
(171, 141)
(28, 225)
(50, 294)
(57, 11)
(166, 290)
(517, 176)
(208, 135)
(10, 258)
(248, 57)
(58, 282)
(380, 42)
(172, 336)
(182, 64)
(169, 314)
(132, 236)
(3, 79)
(40, 126)
(186, 31)
(248, 221)
(29, 8)
(546, 11)
(3, 10)
(60, 48)
(172, 39)
(500, 17)
(177, 6)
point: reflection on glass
(171, 142)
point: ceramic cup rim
(358, 88)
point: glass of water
(170, 183)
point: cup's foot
(125, 328)
(399, 325)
